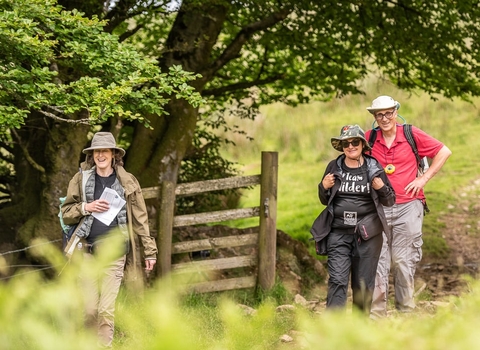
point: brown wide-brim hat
(350, 132)
(103, 140)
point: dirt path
(444, 277)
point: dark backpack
(421, 162)
(67, 230)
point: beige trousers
(100, 296)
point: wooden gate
(265, 239)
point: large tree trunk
(155, 155)
(46, 156)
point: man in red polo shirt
(402, 245)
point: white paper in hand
(116, 203)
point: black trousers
(349, 255)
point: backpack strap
(70, 239)
(372, 138)
(407, 130)
(422, 163)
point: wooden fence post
(165, 227)
(267, 239)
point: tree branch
(6, 158)
(118, 14)
(262, 67)
(6, 181)
(240, 86)
(129, 33)
(197, 153)
(6, 146)
(232, 51)
(29, 159)
(123, 11)
(73, 121)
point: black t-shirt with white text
(353, 199)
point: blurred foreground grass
(47, 314)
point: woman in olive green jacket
(84, 205)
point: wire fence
(29, 247)
(37, 268)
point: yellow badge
(390, 169)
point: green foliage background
(35, 34)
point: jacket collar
(123, 176)
(373, 167)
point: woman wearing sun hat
(103, 168)
(349, 229)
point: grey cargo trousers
(401, 252)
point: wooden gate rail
(265, 239)
(192, 188)
(248, 239)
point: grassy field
(301, 136)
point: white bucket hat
(103, 140)
(383, 102)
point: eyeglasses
(346, 144)
(388, 115)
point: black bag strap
(372, 138)
(407, 130)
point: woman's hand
(149, 264)
(377, 183)
(97, 206)
(328, 181)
